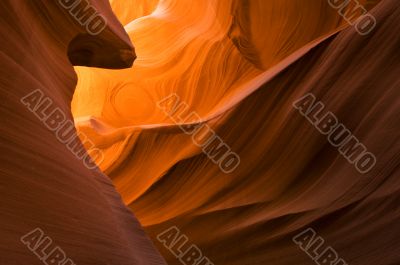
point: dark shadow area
(93, 51)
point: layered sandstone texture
(43, 185)
(240, 65)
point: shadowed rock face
(42, 184)
(240, 65)
(88, 50)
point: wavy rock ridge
(240, 65)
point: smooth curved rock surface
(43, 185)
(240, 65)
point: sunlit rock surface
(240, 65)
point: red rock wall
(43, 185)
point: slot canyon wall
(49, 198)
(239, 65)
